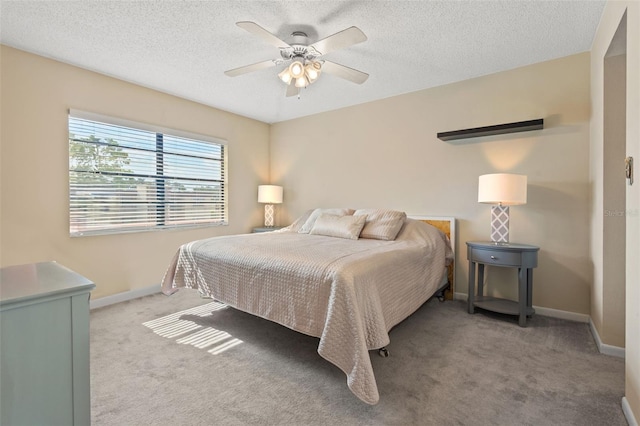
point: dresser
(44, 346)
(521, 256)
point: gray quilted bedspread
(348, 293)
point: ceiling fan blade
(342, 71)
(265, 35)
(345, 38)
(292, 90)
(250, 68)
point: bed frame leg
(440, 294)
(383, 352)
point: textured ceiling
(184, 47)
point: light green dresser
(44, 346)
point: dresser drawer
(496, 257)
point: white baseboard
(547, 312)
(124, 296)
(556, 313)
(626, 409)
(603, 347)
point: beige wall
(34, 226)
(386, 154)
(612, 16)
(610, 322)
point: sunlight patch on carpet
(185, 331)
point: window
(126, 177)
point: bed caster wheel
(441, 298)
(383, 352)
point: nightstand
(521, 256)
(265, 229)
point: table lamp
(502, 190)
(270, 195)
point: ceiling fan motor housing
(299, 48)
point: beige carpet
(172, 361)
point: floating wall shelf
(498, 129)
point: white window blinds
(125, 178)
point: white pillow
(381, 224)
(333, 225)
(297, 224)
(306, 228)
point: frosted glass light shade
(285, 76)
(313, 74)
(301, 82)
(270, 194)
(312, 70)
(296, 69)
(502, 188)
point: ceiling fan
(303, 59)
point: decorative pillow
(333, 225)
(306, 228)
(381, 224)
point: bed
(331, 274)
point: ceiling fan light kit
(305, 68)
(303, 73)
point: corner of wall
(603, 348)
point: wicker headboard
(448, 226)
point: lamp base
(500, 224)
(268, 215)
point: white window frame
(160, 202)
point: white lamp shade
(502, 188)
(270, 194)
